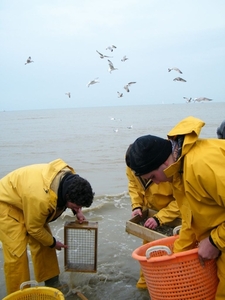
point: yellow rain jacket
(27, 203)
(153, 196)
(199, 188)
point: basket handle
(176, 230)
(33, 282)
(157, 248)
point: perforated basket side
(36, 293)
(178, 276)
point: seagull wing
(132, 82)
(124, 58)
(99, 53)
(179, 79)
(93, 81)
(207, 99)
(110, 63)
(176, 69)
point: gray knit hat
(147, 153)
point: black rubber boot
(55, 283)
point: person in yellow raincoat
(196, 169)
(146, 194)
(30, 198)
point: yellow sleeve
(169, 213)
(135, 191)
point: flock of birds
(112, 68)
(127, 86)
(188, 100)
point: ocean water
(94, 141)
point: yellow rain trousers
(199, 188)
(158, 197)
(27, 204)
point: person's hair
(80, 192)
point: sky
(62, 37)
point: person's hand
(151, 223)
(59, 245)
(136, 212)
(80, 217)
(206, 250)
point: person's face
(73, 206)
(157, 175)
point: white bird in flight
(179, 79)
(111, 48)
(102, 55)
(124, 58)
(119, 94)
(188, 99)
(29, 60)
(201, 99)
(111, 66)
(68, 94)
(93, 82)
(175, 69)
(126, 87)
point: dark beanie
(221, 131)
(147, 153)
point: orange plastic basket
(176, 275)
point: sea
(94, 142)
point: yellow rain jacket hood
(199, 184)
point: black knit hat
(221, 131)
(147, 153)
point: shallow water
(86, 140)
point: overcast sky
(62, 38)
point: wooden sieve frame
(91, 227)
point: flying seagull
(68, 94)
(124, 58)
(119, 94)
(201, 99)
(102, 55)
(188, 99)
(29, 60)
(175, 69)
(111, 48)
(92, 82)
(179, 79)
(126, 87)
(111, 66)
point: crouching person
(30, 198)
